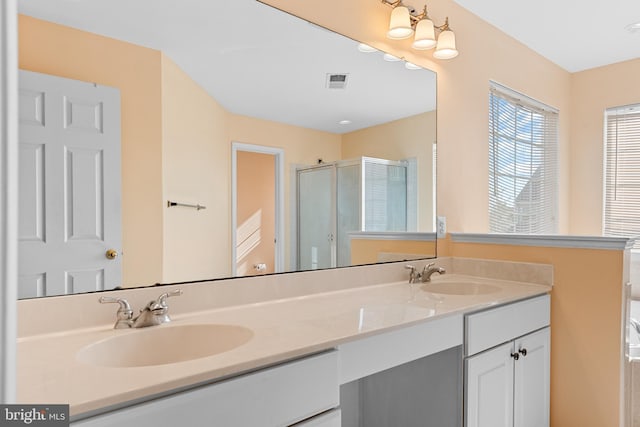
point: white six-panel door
(69, 186)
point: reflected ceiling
(197, 35)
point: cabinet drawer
(277, 396)
(367, 356)
(492, 327)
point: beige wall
(401, 139)
(370, 251)
(592, 92)
(256, 213)
(196, 170)
(65, 52)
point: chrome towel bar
(186, 205)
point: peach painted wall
(592, 92)
(370, 251)
(196, 170)
(463, 87)
(586, 337)
(62, 51)
(401, 139)
(256, 198)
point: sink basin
(459, 288)
(161, 345)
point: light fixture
(446, 48)
(400, 26)
(344, 122)
(390, 58)
(365, 48)
(404, 23)
(412, 66)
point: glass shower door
(316, 218)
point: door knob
(111, 254)
(515, 356)
(523, 351)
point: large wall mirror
(165, 142)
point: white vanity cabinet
(283, 395)
(507, 365)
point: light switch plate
(441, 227)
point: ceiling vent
(337, 81)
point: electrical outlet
(441, 230)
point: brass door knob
(111, 254)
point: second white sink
(161, 345)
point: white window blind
(622, 172)
(523, 176)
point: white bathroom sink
(461, 287)
(161, 345)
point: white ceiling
(257, 61)
(574, 34)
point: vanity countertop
(49, 371)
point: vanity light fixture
(405, 23)
(412, 66)
(365, 48)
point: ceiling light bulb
(400, 24)
(411, 66)
(390, 58)
(425, 35)
(366, 48)
(446, 48)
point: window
(622, 172)
(523, 140)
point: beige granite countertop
(49, 372)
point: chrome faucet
(154, 313)
(428, 270)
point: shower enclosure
(335, 199)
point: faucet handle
(162, 299)
(412, 273)
(124, 314)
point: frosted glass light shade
(425, 35)
(446, 48)
(365, 48)
(400, 24)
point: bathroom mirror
(204, 86)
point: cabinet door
(531, 381)
(489, 391)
